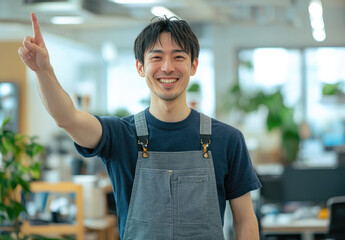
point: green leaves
(35, 170)
(13, 209)
(279, 115)
(194, 87)
(32, 149)
(6, 121)
(330, 89)
(19, 163)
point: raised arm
(83, 128)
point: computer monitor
(272, 188)
(313, 185)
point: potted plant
(334, 92)
(19, 163)
(193, 95)
(279, 116)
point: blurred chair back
(336, 206)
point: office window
(9, 106)
(270, 69)
(301, 74)
(125, 88)
(326, 115)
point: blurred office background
(273, 69)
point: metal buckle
(144, 146)
(205, 146)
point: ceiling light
(319, 35)
(162, 11)
(317, 24)
(316, 20)
(315, 8)
(67, 20)
(136, 1)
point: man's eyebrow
(161, 51)
(179, 50)
(155, 51)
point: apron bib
(174, 194)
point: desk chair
(76, 228)
(336, 206)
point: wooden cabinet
(12, 69)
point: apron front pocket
(152, 198)
(193, 199)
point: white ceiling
(103, 13)
(102, 16)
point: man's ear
(194, 66)
(140, 68)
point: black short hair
(180, 32)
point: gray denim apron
(174, 194)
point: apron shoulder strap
(141, 127)
(205, 128)
(140, 124)
(205, 125)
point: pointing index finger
(36, 29)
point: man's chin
(169, 97)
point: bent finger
(24, 55)
(29, 39)
(25, 42)
(32, 47)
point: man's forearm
(248, 230)
(57, 102)
(82, 127)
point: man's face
(167, 69)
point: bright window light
(271, 66)
(162, 11)
(109, 51)
(67, 20)
(5, 89)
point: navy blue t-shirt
(118, 149)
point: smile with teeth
(165, 80)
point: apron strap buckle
(205, 146)
(144, 146)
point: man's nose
(168, 65)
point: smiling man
(172, 168)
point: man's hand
(34, 52)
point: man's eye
(179, 57)
(156, 57)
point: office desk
(305, 227)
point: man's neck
(169, 111)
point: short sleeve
(100, 150)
